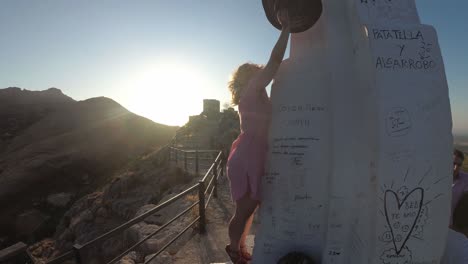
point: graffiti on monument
(402, 215)
(387, 9)
(292, 146)
(411, 51)
(405, 209)
(398, 122)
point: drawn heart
(402, 215)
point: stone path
(209, 248)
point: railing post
(215, 180)
(176, 158)
(77, 248)
(196, 161)
(201, 206)
(223, 163)
(185, 160)
(223, 167)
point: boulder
(59, 199)
(156, 218)
(163, 258)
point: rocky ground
(133, 193)
(54, 150)
(209, 248)
(92, 153)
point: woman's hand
(267, 74)
(283, 18)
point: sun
(168, 93)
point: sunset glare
(160, 59)
(167, 93)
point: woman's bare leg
(248, 224)
(245, 207)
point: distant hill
(461, 142)
(51, 144)
(21, 108)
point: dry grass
(192, 198)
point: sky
(160, 59)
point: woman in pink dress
(245, 165)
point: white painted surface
(360, 145)
(294, 212)
(387, 11)
(415, 144)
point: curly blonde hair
(240, 78)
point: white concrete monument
(360, 159)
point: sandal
(245, 254)
(235, 257)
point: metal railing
(192, 160)
(207, 187)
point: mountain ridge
(51, 143)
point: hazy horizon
(147, 55)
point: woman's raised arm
(267, 74)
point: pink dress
(246, 161)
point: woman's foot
(245, 254)
(235, 256)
